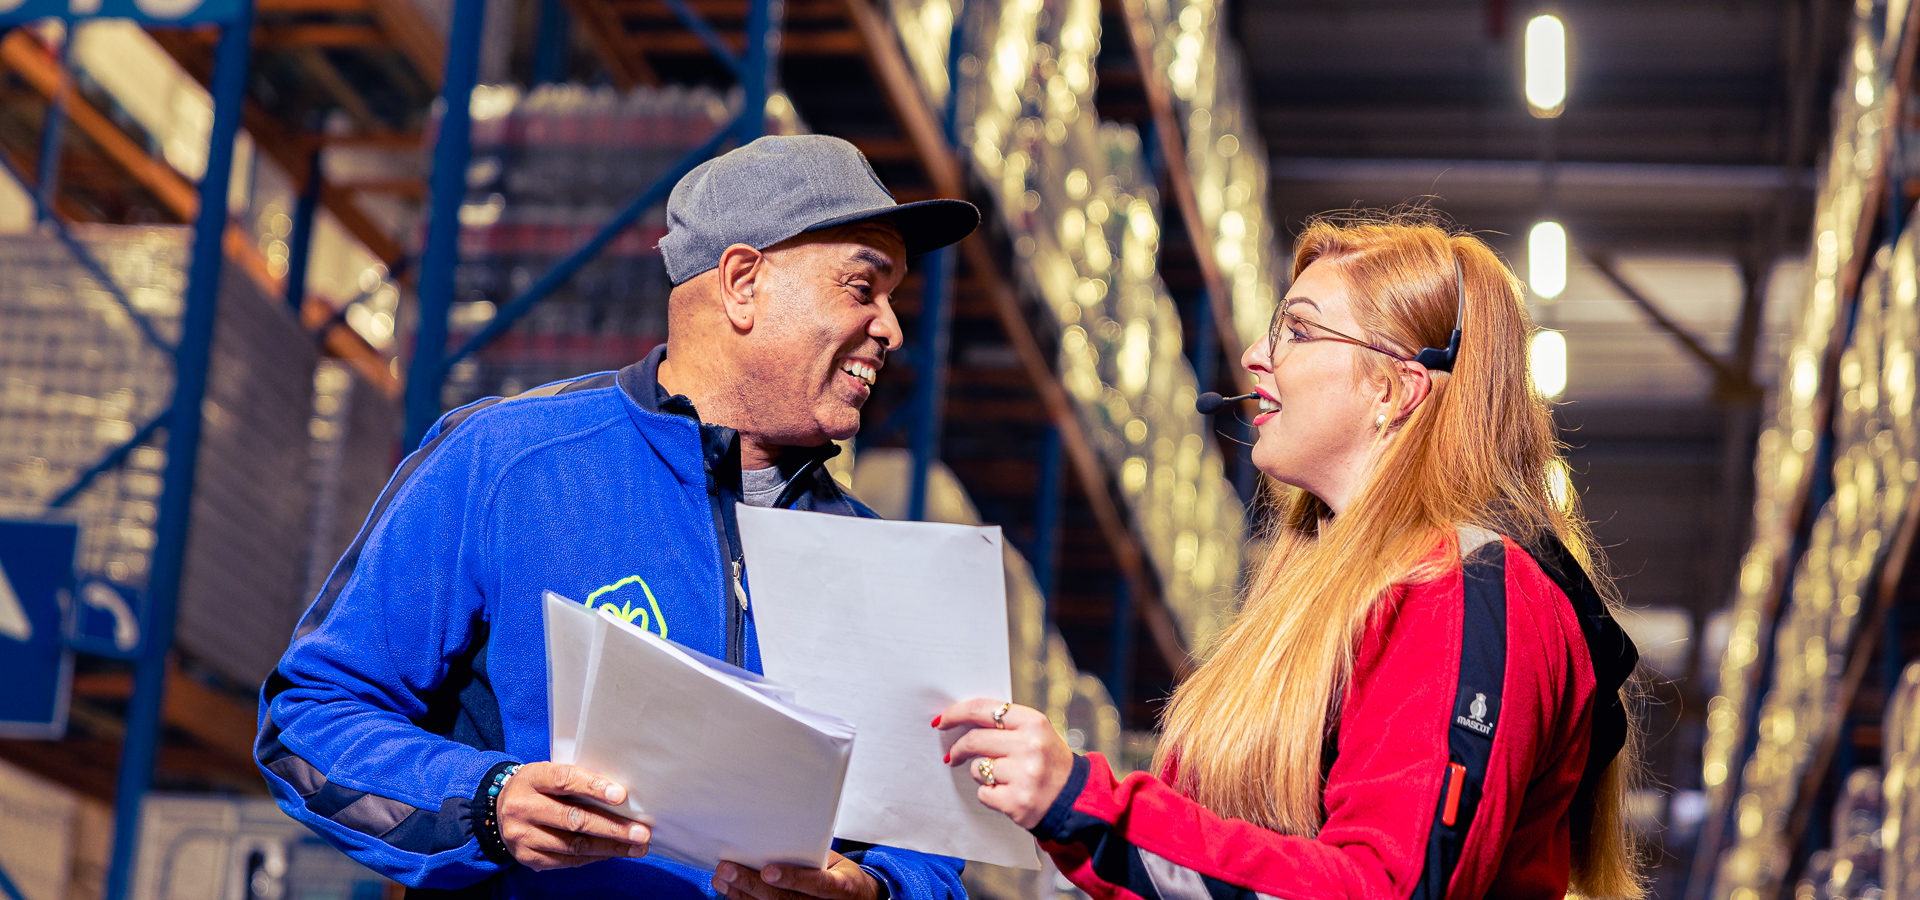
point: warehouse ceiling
(1687, 122)
(1683, 169)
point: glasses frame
(1281, 314)
(1438, 359)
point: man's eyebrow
(873, 258)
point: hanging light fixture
(1546, 66)
(1547, 259)
(1547, 362)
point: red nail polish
(947, 759)
(936, 721)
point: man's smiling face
(823, 324)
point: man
(408, 721)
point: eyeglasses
(1300, 331)
(1439, 359)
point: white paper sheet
(885, 624)
(717, 763)
(569, 640)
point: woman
(1422, 694)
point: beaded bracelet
(487, 822)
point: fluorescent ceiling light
(1546, 66)
(1547, 259)
(1547, 362)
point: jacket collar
(719, 444)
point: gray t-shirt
(761, 487)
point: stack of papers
(886, 624)
(719, 761)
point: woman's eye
(1298, 334)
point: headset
(1435, 359)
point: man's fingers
(741, 883)
(560, 815)
(546, 861)
(830, 882)
(560, 780)
(555, 842)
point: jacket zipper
(737, 602)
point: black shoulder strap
(1476, 706)
(1613, 656)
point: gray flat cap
(785, 185)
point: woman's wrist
(1058, 816)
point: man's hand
(545, 825)
(842, 879)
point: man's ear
(740, 270)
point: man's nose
(886, 328)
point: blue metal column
(446, 188)
(54, 131)
(142, 744)
(936, 314)
(551, 43)
(300, 241)
(1119, 682)
(756, 73)
(1046, 521)
(1206, 344)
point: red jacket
(1400, 822)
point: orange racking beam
(924, 131)
(22, 53)
(1173, 149)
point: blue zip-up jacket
(420, 669)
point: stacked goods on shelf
(1788, 441)
(355, 431)
(547, 170)
(1851, 868)
(1044, 675)
(79, 380)
(1226, 158)
(1831, 587)
(1900, 868)
(1075, 197)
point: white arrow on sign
(13, 616)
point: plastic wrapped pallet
(1900, 869)
(1851, 868)
(1788, 439)
(1226, 158)
(356, 434)
(1829, 591)
(79, 380)
(548, 169)
(1076, 199)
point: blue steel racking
(191, 356)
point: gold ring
(1000, 715)
(984, 769)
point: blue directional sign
(106, 619)
(36, 580)
(146, 12)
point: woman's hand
(1020, 762)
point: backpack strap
(1476, 706)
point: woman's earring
(1380, 421)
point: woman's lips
(1269, 407)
